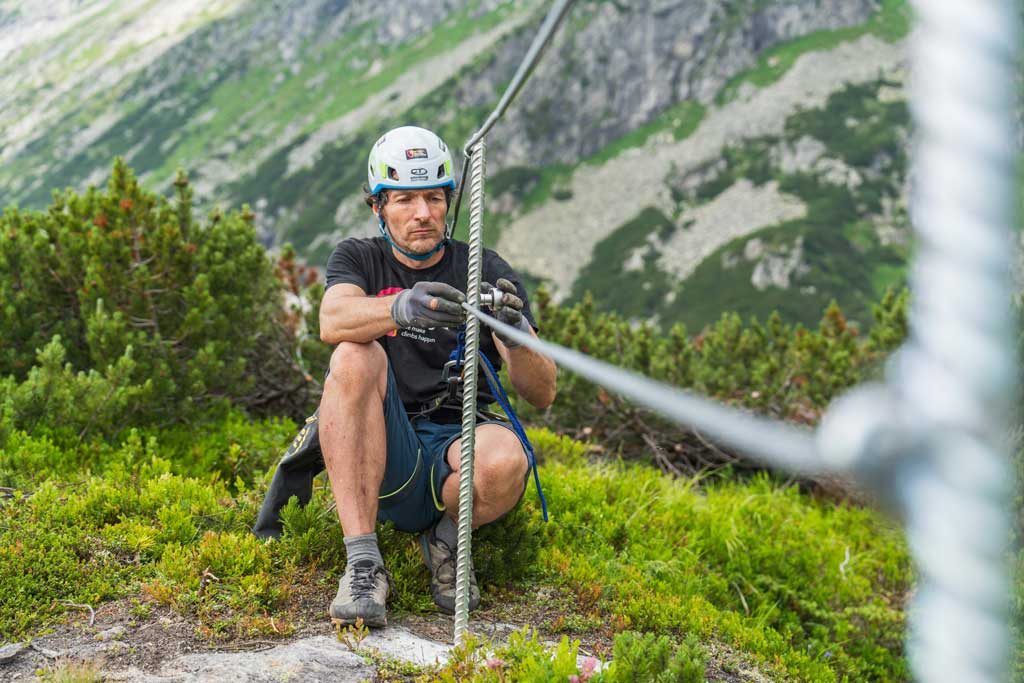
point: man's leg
(499, 479)
(354, 444)
(352, 432)
(499, 474)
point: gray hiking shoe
(362, 593)
(440, 560)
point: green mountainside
(674, 167)
(276, 105)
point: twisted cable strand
(469, 376)
(956, 376)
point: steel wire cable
(770, 442)
(474, 150)
(545, 33)
(465, 530)
(956, 376)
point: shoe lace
(450, 558)
(363, 581)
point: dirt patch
(126, 641)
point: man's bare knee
(355, 365)
(506, 468)
(501, 466)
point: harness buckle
(451, 375)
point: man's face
(415, 218)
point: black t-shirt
(417, 356)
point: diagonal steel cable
(545, 33)
(772, 443)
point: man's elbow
(544, 400)
(328, 335)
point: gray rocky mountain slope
(276, 104)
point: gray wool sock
(448, 531)
(362, 548)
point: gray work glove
(429, 304)
(509, 311)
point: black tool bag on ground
(294, 477)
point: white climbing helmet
(409, 158)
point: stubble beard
(422, 244)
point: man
(392, 307)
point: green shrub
(312, 533)
(638, 658)
(756, 565)
(523, 658)
(233, 448)
(812, 587)
(647, 658)
(142, 313)
(70, 404)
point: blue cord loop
(455, 362)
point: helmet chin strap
(415, 257)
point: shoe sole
(368, 623)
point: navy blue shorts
(417, 467)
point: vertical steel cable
(956, 376)
(469, 375)
(474, 152)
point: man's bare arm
(348, 314)
(533, 375)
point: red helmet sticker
(416, 153)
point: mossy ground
(756, 565)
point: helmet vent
(440, 171)
(392, 173)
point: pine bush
(119, 308)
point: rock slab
(320, 659)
